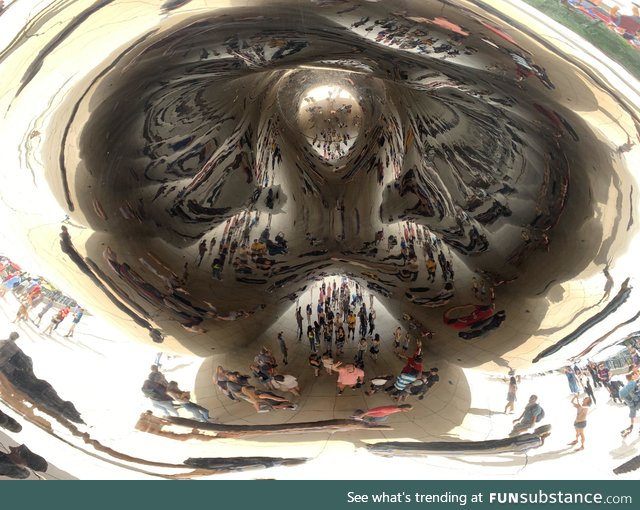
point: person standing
(44, 310)
(572, 380)
(362, 348)
(185, 273)
(630, 395)
(283, 348)
(56, 320)
(315, 363)
(604, 377)
(593, 371)
(76, 318)
(586, 384)
(340, 339)
(312, 338)
(580, 422)
(348, 375)
(397, 335)
(431, 269)
(202, 250)
(351, 325)
(372, 318)
(299, 323)
(375, 347)
(511, 395)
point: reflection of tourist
(572, 380)
(156, 392)
(56, 320)
(630, 395)
(44, 310)
(76, 319)
(182, 398)
(532, 413)
(511, 395)
(580, 422)
(286, 383)
(283, 348)
(382, 413)
(264, 401)
(348, 376)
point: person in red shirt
(382, 413)
(56, 320)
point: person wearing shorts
(348, 375)
(581, 420)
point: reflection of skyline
(215, 174)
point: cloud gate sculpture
(194, 172)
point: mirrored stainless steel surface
(193, 172)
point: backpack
(540, 416)
(152, 390)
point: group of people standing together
(583, 396)
(30, 294)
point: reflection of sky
(329, 91)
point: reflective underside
(218, 162)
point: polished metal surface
(190, 171)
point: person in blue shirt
(76, 318)
(630, 395)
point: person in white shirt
(286, 383)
